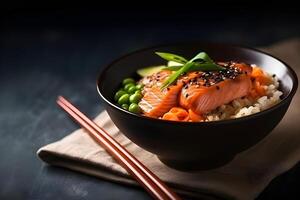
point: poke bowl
(216, 138)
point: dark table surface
(46, 54)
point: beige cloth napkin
(243, 178)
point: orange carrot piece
(170, 116)
(259, 76)
(176, 114)
(259, 89)
(194, 116)
(260, 80)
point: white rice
(244, 106)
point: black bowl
(201, 145)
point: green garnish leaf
(172, 57)
(178, 73)
(201, 62)
(206, 67)
(197, 67)
(172, 68)
(203, 57)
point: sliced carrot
(259, 89)
(176, 114)
(194, 117)
(260, 76)
(259, 81)
(170, 116)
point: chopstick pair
(134, 167)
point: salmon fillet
(210, 90)
(155, 101)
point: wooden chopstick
(134, 167)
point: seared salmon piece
(156, 101)
(210, 90)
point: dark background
(48, 50)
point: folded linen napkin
(243, 178)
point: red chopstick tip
(60, 97)
(60, 100)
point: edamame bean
(124, 99)
(127, 86)
(134, 108)
(132, 89)
(128, 80)
(138, 92)
(125, 106)
(135, 98)
(119, 94)
(139, 86)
